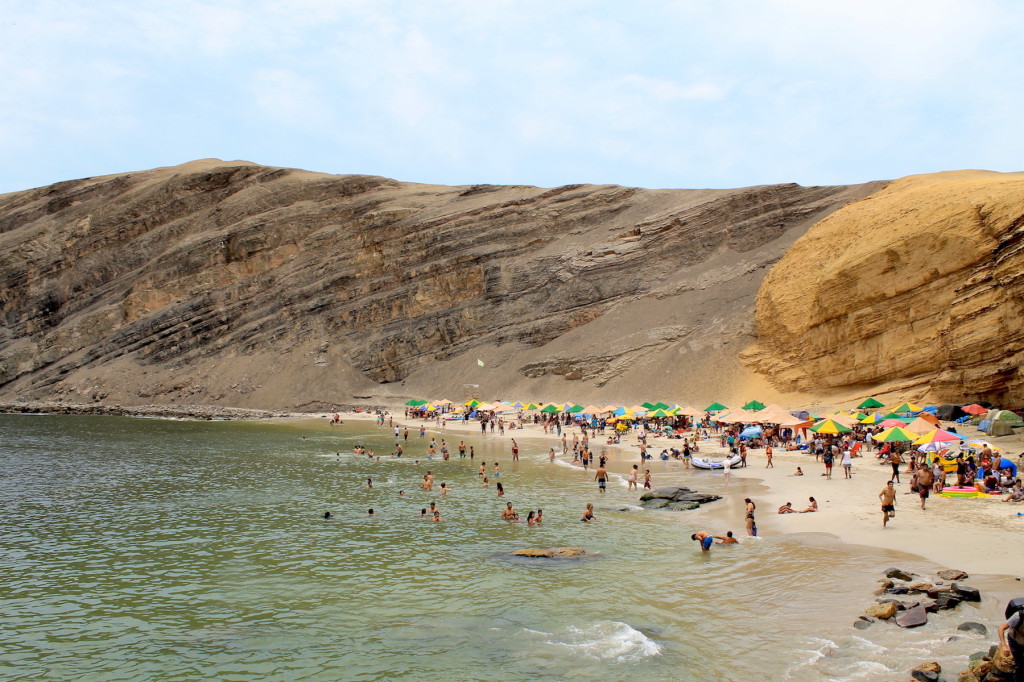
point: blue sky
(723, 93)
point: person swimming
(588, 514)
(328, 515)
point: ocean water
(139, 549)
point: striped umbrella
(895, 434)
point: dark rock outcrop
(675, 499)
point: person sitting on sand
(799, 472)
(727, 540)
(1016, 494)
(811, 507)
(787, 508)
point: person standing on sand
(894, 460)
(768, 454)
(888, 498)
(847, 462)
(601, 476)
(924, 480)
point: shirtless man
(727, 540)
(888, 498)
(508, 513)
(787, 508)
(705, 539)
(924, 481)
(601, 476)
(428, 481)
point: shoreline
(977, 535)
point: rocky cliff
(918, 289)
(238, 284)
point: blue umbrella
(751, 432)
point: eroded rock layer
(919, 287)
(233, 283)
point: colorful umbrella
(907, 407)
(660, 406)
(552, 409)
(869, 404)
(531, 406)
(889, 423)
(895, 434)
(658, 413)
(872, 419)
(576, 409)
(830, 426)
(974, 409)
(473, 403)
(754, 405)
(715, 407)
(938, 436)
(979, 444)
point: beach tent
(869, 404)
(1007, 464)
(715, 407)
(754, 405)
(830, 426)
(920, 425)
(895, 434)
(998, 427)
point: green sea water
(139, 549)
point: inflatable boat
(705, 463)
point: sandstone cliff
(917, 289)
(238, 284)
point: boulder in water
(926, 672)
(551, 553)
(971, 626)
(913, 617)
(863, 623)
(898, 573)
(952, 574)
(882, 611)
(665, 497)
(967, 593)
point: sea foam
(607, 640)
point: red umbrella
(974, 409)
(889, 423)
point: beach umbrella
(690, 411)
(518, 405)
(889, 423)
(637, 408)
(892, 415)
(938, 436)
(715, 407)
(830, 426)
(661, 406)
(907, 407)
(415, 403)
(858, 415)
(552, 409)
(869, 404)
(754, 405)
(610, 407)
(531, 406)
(872, 419)
(620, 411)
(473, 403)
(751, 432)
(895, 434)
(975, 444)
(648, 406)
(844, 419)
(658, 414)
(592, 409)
(920, 426)
(974, 409)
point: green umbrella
(660, 406)
(896, 433)
(830, 426)
(551, 409)
(715, 407)
(892, 415)
(858, 415)
(532, 406)
(415, 403)
(648, 406)
(754, 405)
(575, 409)
(868, 404)
(907, 407)
(473, 403)
(658, 413)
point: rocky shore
(208, 412)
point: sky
(684, 94)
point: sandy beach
(977, 535)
